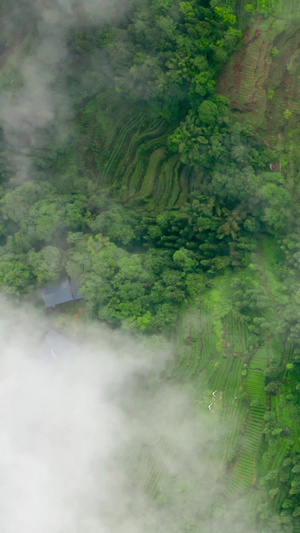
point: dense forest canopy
(125, 166)
(162, 58)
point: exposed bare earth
(262, 78)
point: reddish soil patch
(241, 57)
(255, 476)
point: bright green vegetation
(174, 200)
(225, 346)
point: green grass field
(213, 353)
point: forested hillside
(153, 156)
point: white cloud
(100, 442)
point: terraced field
(213, 353)
(166, 475)
(288, 9)
(134, 164)
(261, 79)
(244, 473)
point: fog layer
(100, 441)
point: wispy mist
(62, 422)
(34, 95)
(101, 441)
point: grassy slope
(214, 353)
(262, 78)
(213, 349)
(262, 82)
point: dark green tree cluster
(171, 51)
(209, 232)
(233, 164)
(132, 269)
(283, 381)
(284, 480)
(252, 307)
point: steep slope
(262, 78)
(221, 352)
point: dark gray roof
(75, 289)
(57, 346)
(65, 291)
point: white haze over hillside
(98, 442)
(37, 97)
(61, 424)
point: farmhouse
(64, 291)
